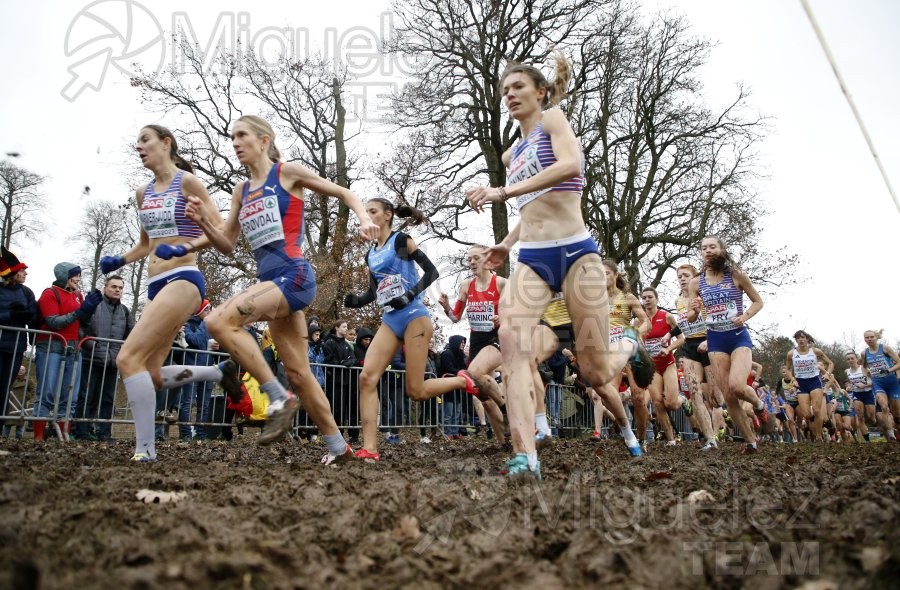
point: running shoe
(749, 450)
(721, 434)
(471, 388)
(755, 422)
(517, 468)
(143, 458)
(634, 448)
(542, 440)
(642, 366)
(279, 420)
(171, 417)
(332, 459)
(763, 414)
(367, 456)
(688, 406)
(709, 446)
(231, 381)
(425, 440)
(596, 436)
(393, 439)
(670, 443)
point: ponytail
(621, 277)
(556, 90)
(416, 216)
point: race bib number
(389, 287)
(688, 328)
(654, 346)
(261, 221)
(522, 167)
(158, 217)
(720, 316)
(616, 333)
(805, 367)
(480, 315)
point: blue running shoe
(634, 449)
(517, 468)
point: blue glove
(167, 252)
(111, 263)
(91, 302)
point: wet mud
(438, 516)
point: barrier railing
(81, 389)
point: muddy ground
(438, 517)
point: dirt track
(437, 517)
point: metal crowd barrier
(201, 410)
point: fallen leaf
(159, 497)
(598, 453)
(408, 529)
(474, 494)
(891, 480)
(658, 475)
(700, 497)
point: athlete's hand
(702, 347)
(495, 255)
(482, 195)
(193, 210)
(496, 320)
(739, 321)
(167, 252)
(400, 302)
(111, 263)
(368, 231)
(696, 303)
(444, 301)
(351, 300)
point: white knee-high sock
(142, 397)
(177, 375)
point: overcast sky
(827, 199)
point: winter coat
(15, 295)
(453, 360)
(111, 320)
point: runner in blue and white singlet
(884, 366)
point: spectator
(428, 410)
(270, 353)
(558, 365)
(18, 309)
(351, 336)
(452, 361)
(342, 379)
(111, 321)
(63, 307)
(168, 400)
(393, 396)
(197, 338)
(316, 352)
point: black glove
(400, 302)
(351, 300)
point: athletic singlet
(790, 393)
(557, 314)
(878, 362)
(619, 317)
(843, 402)
(532, 155)
(481, 306)
(162, 214)
(272, 220)
(659, 327)
(805, 365)
(394, 276)
(695, 329)
(723, 301)
(858, 380)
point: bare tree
(21, 202)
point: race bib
(805, 367)
(389, 287)
(654, 346)
(480, 315)
(688, 328)
(158, 216)
(720, 316)
(522, 167)
(261, 221)
(616, 333)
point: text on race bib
(389, 287)
(260, 221)
(157, 216)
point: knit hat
(65, 271)
(203, 306)
(9, 263)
